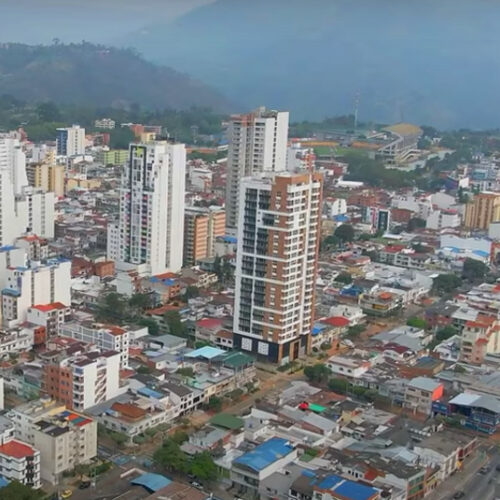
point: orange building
(201, 227)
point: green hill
(97, 75)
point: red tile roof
(16, 449)
(49, 307)
(338, 321)
(209, 323)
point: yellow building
(484, 209)
(48, 176)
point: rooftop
(16, 449)
(265, 454)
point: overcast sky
(35, 21)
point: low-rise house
(421, 392)
(250, 469)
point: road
(475, 485)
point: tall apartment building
(201, 227)
(482, 210)
(151, 222)
(64, 438)
(49, 316)
(35, 212)
(83, 380)
(18, 460)
(105, 337)
(278, 243)
(37, 284)
(113, 157)
(257, 143)
(46, 176)
(13, 159)
(70, 141)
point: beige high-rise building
(483, 210)
(276, 267)
(201, 228)
(48, 176)
(257, 143)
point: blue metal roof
(150, 393)
(230, 239)
(480, 253)
(265, 454)
(7, 248)
(329, 482)
(355, 491)
(318, 328)
(152, 482)
(207, 352)
(10, 292)
(3, 482)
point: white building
(64, 438)
(151, 225)
(439, 219)
(335, 206)
(105, 337)
(278, 242)
(38, 284)
(50, 316)
(13, 159)
(35, 212)
(70, 141)
(18, 460)
(257, 143)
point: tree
(417, 322)
(330, 242)
(344, 277)
(140, 301)
(215, 404)
(415, 223)
(118, 437)
(120, 138)
(355, 330)
(339, 385)
(48, 112)
(317, 373)
(344, 233)
(445, 333)
(152, 325)
(202, 466)
(174, 323)
(474, 269)
(170, 456)
(112, 307)
(191, 293)
(446, 283)
(18, 491)
(186, 372)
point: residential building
(439, 219)
(13, 161)
(49, 177)
(278, 243)
(84, 379)
(34, 247)
(257, 143)
(50, 316)
(64, 437)
(421, 392)
(482, 210)
(105, 123)
(479, 337)
(38, 284)
(35, 212)
(18, 460)
(201, 228)
(151, 223)
(105, 337)
(70, 141)
(251, 468)
(113, 157)
(380, 303)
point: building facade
(257, 143)
(484, 209)
(70, 141)
(151, 222)
(201, 228)
(278, 242)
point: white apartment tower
(151, 225)
(70, 141)
(257, 143)
(278, 243)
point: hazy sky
(35, 21)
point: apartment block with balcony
(278, 242)
(478, 338)
(64, 437)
